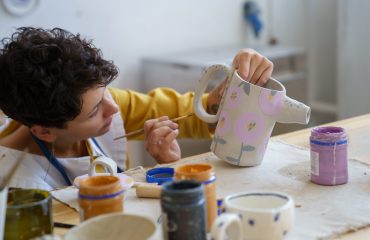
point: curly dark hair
(43, 74)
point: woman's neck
(21, 139)
(61, 149)
(69, 149)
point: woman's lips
(107, 124)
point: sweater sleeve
(136, 108)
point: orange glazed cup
(204, 173)
(99, 195)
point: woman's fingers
(163, 135)
(242, 62)
(253, 67)
(258, 78)
(149, 124)
(264, 77)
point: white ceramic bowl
(114, 226)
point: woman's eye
(96, 112)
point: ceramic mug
(115, 226)
(107, 163)
(246, 115)
(255, 215)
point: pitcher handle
(200, 89)
(230, 222)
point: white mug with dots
(255, 215)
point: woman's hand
(251, 66)
(160, 139)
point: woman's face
(95, 117)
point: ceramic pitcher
(247, 115)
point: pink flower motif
(249, 127)
(233, 97)
(271, 101)
(224, 124)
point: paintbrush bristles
(139, 131)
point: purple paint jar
(329, 156)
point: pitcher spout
(293, 112)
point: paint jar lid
(159, 175)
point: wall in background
(126, 31)
(353, 58)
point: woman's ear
(43, 133)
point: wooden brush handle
(148, 191)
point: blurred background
(319, 48)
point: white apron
(37, 172)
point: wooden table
(356, 128)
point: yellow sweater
(137, 107)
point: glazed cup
(255, 215)
(28, 214)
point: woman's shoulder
(8, 126)
(14, 135)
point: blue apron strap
(119, 170)
(52, 159)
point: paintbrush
(139, 131)
(8, 177)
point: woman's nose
(110, 108)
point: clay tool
(139, 131)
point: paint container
(203, 173)
(159, 175)
(183, 210)
(100, 195)
(329, 156)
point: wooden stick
(139, 131)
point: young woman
(54, 88)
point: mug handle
(106, 162)
(227, 221)
(200, 89)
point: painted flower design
(224, 123)
(271, 101)
(249, 127)
(233, 97)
